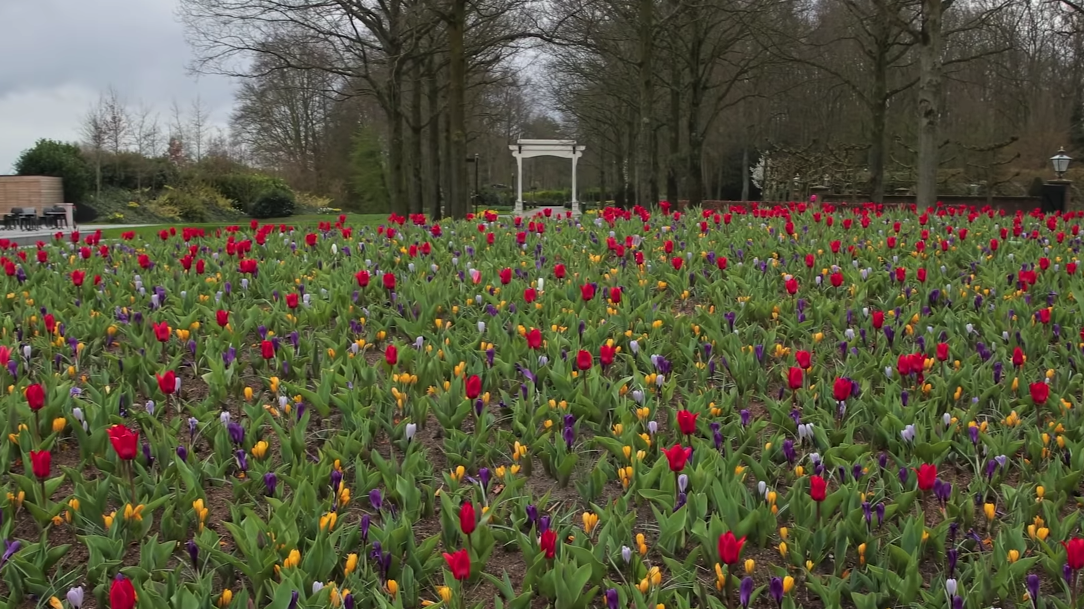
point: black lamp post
(1060, 161)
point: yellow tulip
(59, 424)
(783, 533)
(788, 584)
(590, 521)
(248, 394)
(108, 519)
(351, 564)
(292, 559)
(225, 598)
(989, 510)
(720, 577)
(393, 587)
(1014, 555)
(750, 565)
(783, 549)
(260, 449)
(445, 594)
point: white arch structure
(525, 149)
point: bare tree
(95, 131)
(197, 127)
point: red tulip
(78, 277)
(921, 274)
(35, 397)
(291, 300)
(310, 239)
(222, 317)
(1074, 553)
(1070, 267)
(677, 261)
(792, 286)
(363, 278)
(467, 520)
(805, 359)
(942, 352)
(167, 383)
(125, 442)
(730, 548)
(677, 456)
(267, 349)
(530, 295)
(818, 488)
(474, 386)
(505, 276)
(721, 263)
(841, 389)
(161, 331)
(836, 279)
(809, 261)
(122, 594)
(559, 271)
(43, 256)
(389, 281)
(584, 360)
(687, 422)
(458, 564)
(1018, 357)
(794, 378)
(668, 246)
(615, 295)
(587, 291)
(1039, 393)
(534, 338)
(927, 474)
(548, 543)
(1044, 316)
(252, 266)
(606, 355)
(41, 462)
(901, 274)
(878, 319)
(391, 355)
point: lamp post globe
(1060, 161)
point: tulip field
(759, 406)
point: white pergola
(525, 149)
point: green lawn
(302, 222)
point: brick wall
(38, 192)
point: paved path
(30, 237)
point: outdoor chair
(54, 217)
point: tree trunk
(929, 101)
(433, 94)
(645, 181)
(674, 128)
(417, 203)
(745, 173)
(602, 198)
(457, 85)
(878, 99)
(394, 111)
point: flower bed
(794, 406)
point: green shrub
(278, 203)
(59, 160)
(246, 188)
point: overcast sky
(57, 56)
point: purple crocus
(611, 598)
(775, 588)
(745, 591)
(237, 433)
(366, 522)
(193, 552)
(270, 481)
(376, 499)
(1033, 589)
(745, 415)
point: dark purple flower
(237, 433)
(880, 509)
(193, 552)
(775, 588)
(182, 452)
(532, 515)
(745, 414)
(611, 599)
(745, 591)
(376, 499)
(788, 450)
(293, 600)
(1033, 589)
(270, 481)
(366, 522)
(867, 512)
(904, 475)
